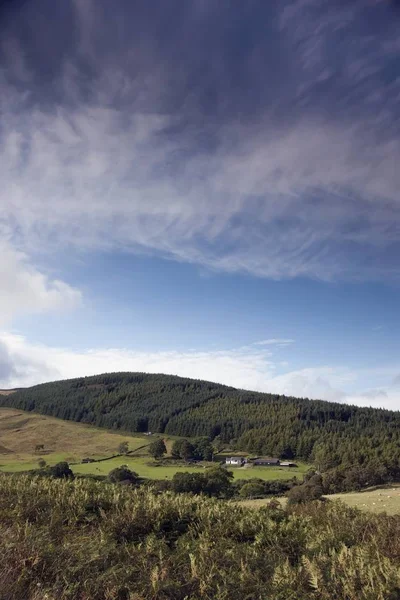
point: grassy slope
(65, 440)
(383, 499)
(20, 432)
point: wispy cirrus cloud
(123, 151)
(274, 341)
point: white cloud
(25, 289)
(34, 363)
(274, 341)
(23, 363)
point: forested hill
(330, 434)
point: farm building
(266, 462)
(288, 464)
(235, 461)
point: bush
(61, 471)
(214, 481)
(123, 474)
(301, 494)
(252, 490)
(184, 483)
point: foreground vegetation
(64, 539)
(359, 446)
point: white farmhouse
(235, 461)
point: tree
(176, 448)
(307, 492)
(61, 471)
(193, 483)
(41, 463)
(252, 490)
(202, 449)
(186, 450)
(218, 444)
(123, 474)
(123, 448)
(157, 448)
(218, 482)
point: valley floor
(21, 432)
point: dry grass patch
(21, 432)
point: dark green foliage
(123, 474)
(333, 436)
(182, 449)
(202, 449)
(215, 481)
(41, 463)
(61, 471)
(157, 449)
(198, 449)
(70, 540)
(252, 490)
(218, 482)
(310, 490)
(269, 488)
(185, 483)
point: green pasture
(144, 466)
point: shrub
(61, 471)
(252, 490)
(300, 494)
(123, 474)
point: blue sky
(205, 189)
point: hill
(329, 434)
(22, 432)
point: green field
(146, 467)
(67, 441)
(384, 499)
(20, 432)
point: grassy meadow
(377, 500)
(20, 432)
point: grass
(146, 467)
(384, 499)
(20, 432)
(67, 441)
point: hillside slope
(328, 433)
(22, 432)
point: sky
(207, 189)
